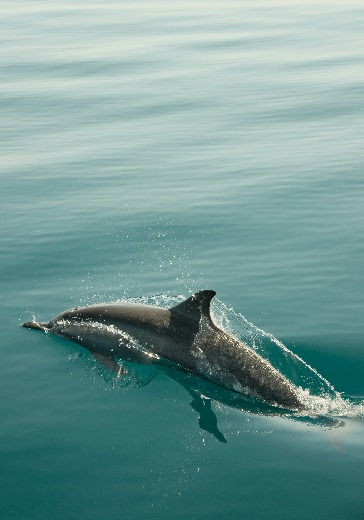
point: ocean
(149, 150)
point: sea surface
(151, 149)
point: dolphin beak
(35, 325)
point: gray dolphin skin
(184, 335)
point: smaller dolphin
(184, 335)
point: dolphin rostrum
(184, 335)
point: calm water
(159, 148)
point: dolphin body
(184, 335)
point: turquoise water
(150, 150)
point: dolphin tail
(35, 325)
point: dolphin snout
(35, 325)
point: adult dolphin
(184, 335)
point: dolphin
(184, 336)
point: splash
(315, 392)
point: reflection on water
(206, 395)
(323, 406)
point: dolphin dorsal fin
(196, 306)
